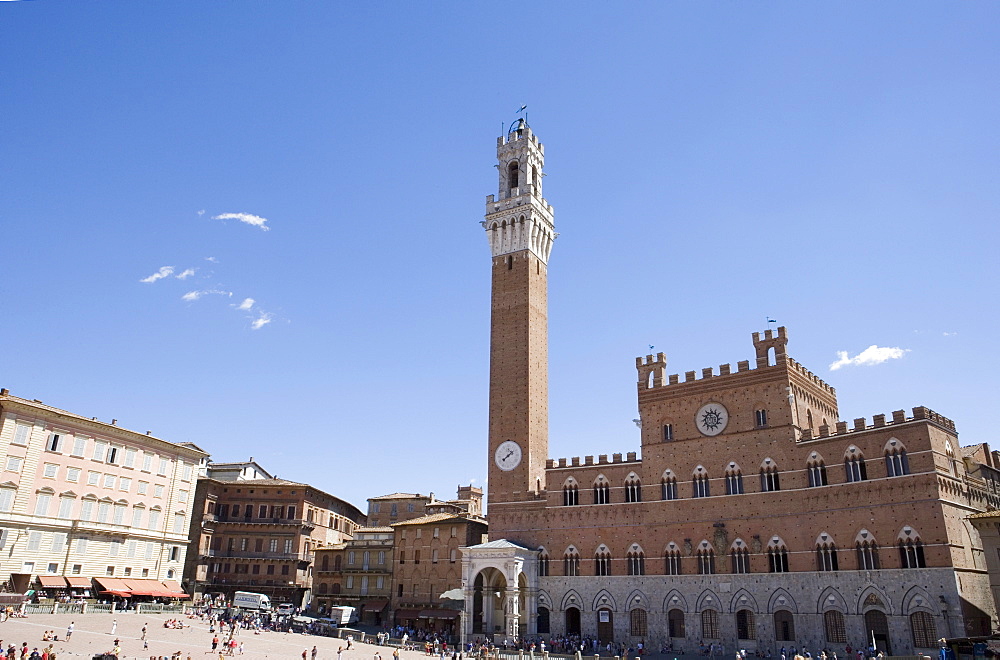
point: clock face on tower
(508, 455)
(712, 418)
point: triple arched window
(673, 559)
(911, 549)
(854, 465)
(633, 489)
(867, 551)
(602, 561)
(571, 562)
(739, 557)
(734, 480)
(706, 559)
(602, 491)
(668, 485)
(896, 463)
(777, 555)
(571, 493)
(826, 553)
(636, 560)
(700, 482)
(769, 478)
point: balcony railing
(253, 520)
(242, 554)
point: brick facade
(752, 517)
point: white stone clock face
(712, 418)
(508, 455)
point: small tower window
(668, 432)
(512, 172)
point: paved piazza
(92, 634)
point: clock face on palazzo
(712, 418)
(508, 455)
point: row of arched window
(922, 627)
(702, 559)
(855, 469)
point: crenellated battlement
(652, 372)
(602, 459)
(816, 380)
(879, 421)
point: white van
(285, 608)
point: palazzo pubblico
(755, 518)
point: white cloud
(186, 274)
(248, 218)
(201, 212)
(165, 271)
(949, 334)
(870, 356)
(191, 296)
(261, 320)
(212, 259)
(246, 304)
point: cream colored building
(81, 498)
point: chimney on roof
(113, 422)
(149, 433)
(4, 392)
(251, 459)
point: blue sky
(831, 165)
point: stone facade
(752, 517)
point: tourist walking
(69, 630)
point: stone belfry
(520, 230)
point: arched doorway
(784, 626)
(572, 621)
(878, 629)
(675, 619)
(543, 621)
(605, 625)
(488, 602)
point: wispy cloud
(246, 304)
(868, 357)
(949, 334)
(201, 212)
(186, 274)
(191, 296)
(248, 218)
(263, 319)
(212, 259)
(165, 271)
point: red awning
(171, 589)
(408, 614)
(375, 606)
(79, 582)
(144, 587)
(438, 614)
(114, 586)
(52, 581)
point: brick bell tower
(520, 230)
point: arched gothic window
(602, 561)
(571, 562)
(700, 482)
(769, 478)
(602, 492)
(816, 469)
(571, 493)
(867, 551)
(668, 484)
(739, 556)
(636, 560)
(854, 465)
(777, 555)
(826, 553)
(734, 480)
(896, 463)
(633, 489)
(706, 559)
(673, 559)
